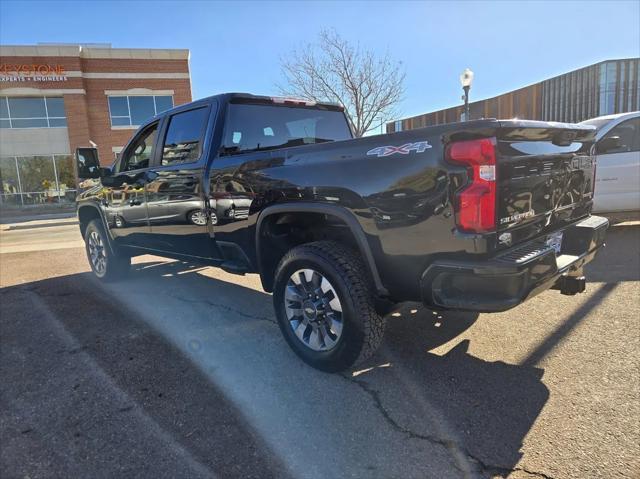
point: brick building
(54, 98)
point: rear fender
(331, 210)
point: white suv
(618, 163)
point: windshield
(597, 122)
(265, 127)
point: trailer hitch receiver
(570, 285)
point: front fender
(91, 210)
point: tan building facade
(611, 86)
(54, 98)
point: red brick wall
(75, 107)
(88, 115)
(101, 65)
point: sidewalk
(10, 215)
(40, 233)
(11, 219)
(42, 222)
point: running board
(234, 268)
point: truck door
(125, 201)
(177, 202)
(618, 169)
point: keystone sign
(31, 72)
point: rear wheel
(105, 264)
(325, 306)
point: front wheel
(325, 307)
(105, 264)
(197, 217)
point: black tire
(363, 328)
(115, 266)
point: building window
(637, 86)
(135, 110)
(32, 112)
(630, 86)
(398, 125)
(607, 88)
(623, 84)
(33, 180)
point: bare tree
(367, 85)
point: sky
(238, 46)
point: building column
(75, 107)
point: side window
(629, 133)
(183, 141)
(139, 154)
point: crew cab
(478, 216)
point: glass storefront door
(36, 180)
(9, 182)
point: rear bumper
(515, 275)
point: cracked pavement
(181, 371)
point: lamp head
(466, 78)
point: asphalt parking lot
(181, 371)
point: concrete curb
(39, 225)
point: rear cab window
(256, 127)
(184, 136)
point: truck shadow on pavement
(484, 408)
(475, 412)
(480, 411)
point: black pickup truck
(477, 216)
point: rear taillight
(476, 202)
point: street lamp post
(466, 79)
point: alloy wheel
(97, 253)
(199, 218)
(313, 309)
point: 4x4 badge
(405, 149)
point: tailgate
(545, 175)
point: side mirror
(88, 163)
(608, 144)
(108, 180)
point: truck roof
(250, 98)
(238, 97)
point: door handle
(150, 176)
